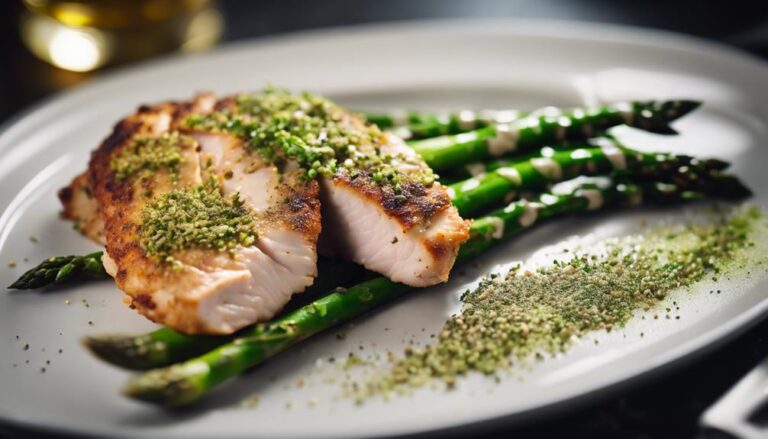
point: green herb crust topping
(146, 155)
(321, 137)
(526, 313)
(198, 217)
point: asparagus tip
(169, 386)
(17, 285)
(128, 352)
(685, 106)
(656, 116)
(716, 164)
(30, 280)
(731, 187)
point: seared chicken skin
(210, 210)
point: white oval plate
(416, 65)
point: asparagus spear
(60, 269)
(528, 133)
(505, 180)
(415, 125)
(683, 163)
(184, 383)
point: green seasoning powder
(529, 313)
(199, 217)
(318, 135)
(146, 155)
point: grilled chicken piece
(381, 209)
(412, 237)
(81, 207)
(207, 290)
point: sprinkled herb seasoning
(148, 154)
(524, 313)
(199, 217)
(321, 137)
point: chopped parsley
(321, 137)
(146, 155)
(198, 217)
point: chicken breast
(210, 209)
(204, 288)
(412, 237)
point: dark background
(661, 406)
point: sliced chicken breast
(271, 159)
(411, 236)
(206, 290)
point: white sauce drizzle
(546, 111)
(466, 137)
(530, 214)
(475, 169)
(625, 110)
(451, 192)
(470, 184)
(505, 140)
(581, 154)
(467, 120)
(570, 186)
(501, 116)
(510, 174)
(547, 167)
(498, 227)
(613, 153)
(594, 198)
(549, 199)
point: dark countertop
(663, 406)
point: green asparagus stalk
(186, 382)
(682, 162)
(165, 345)
(504, 181)
(60, 269)
(534, 131)
(416, 125)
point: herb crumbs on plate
(524, 314)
